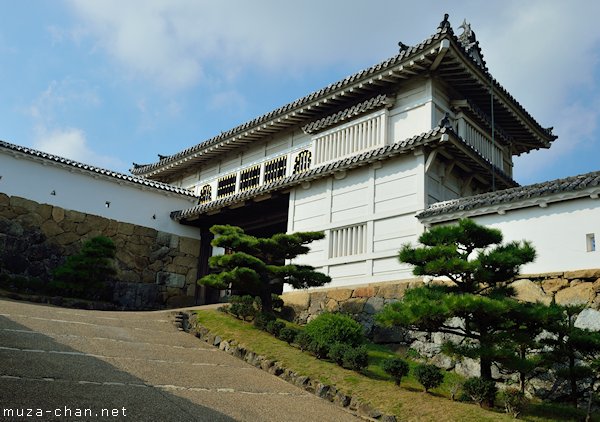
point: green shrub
(429, 376)
(514, 401)
(355, 358)
(337, 351)
(288, 334)
(483, 392)
(262, 320)
(243, 307)
(328, 329)
(86, 273)
(276, 301)
(303, 340)
(274, 327)
(397, 368)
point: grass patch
(374, 386)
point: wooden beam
(430, 160)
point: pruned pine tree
(258, 265)
(477, 303)
(575, 350)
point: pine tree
(576, 350)
(257, 265)
(85, 274)
(479, 269)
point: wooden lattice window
(302, 162)
(205, 194)
(275, 169)
(250, 178)
(347, 241)
(226, 185)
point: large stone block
(144, 231)
(29, 220)
(189, 246)
(368, 291)
(186, 261)
(74, 216)
(332, 306)
(553, 285)
(374, 305)
(528, 291)
(125, 228)
(339, 294)
(64, 239)
(170, 279)
(10, 227)
(353, 305)
(581, 294)
(44, 211)
(4, 200)
(51, 229)
(299, 300)
(588, 319)
(96, 222)
(22, 205)
(58, 214)
(393, 291)
(591, 273)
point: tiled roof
(349, 113)
(431, 137)
(443, 31)
(91, 169)
(514, 195)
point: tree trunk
(573, 380)
(266, 301)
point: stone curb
(186, 321)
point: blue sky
(111, 82)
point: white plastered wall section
(369, 212)
(73, 189)
(558, 233)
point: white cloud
(71, 143)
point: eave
(439, 137)
(500, 202)
(441, 55)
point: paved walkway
(133, 366)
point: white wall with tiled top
(70, 188)
(559, 232)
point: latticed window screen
(226, 185)
(302, 162)
(348, 241)
(249, 178)
(275, 169)
(205, 194)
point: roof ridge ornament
(445, 24)
(445, 122)
(403, 47)
(469, 42)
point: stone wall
(154, 269)
(568, 288)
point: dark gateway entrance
(261, 219)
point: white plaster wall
(385, 197)
(557, 232)
(412, 112)
(88, 193)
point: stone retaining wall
(568, 288)
(154, 269)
